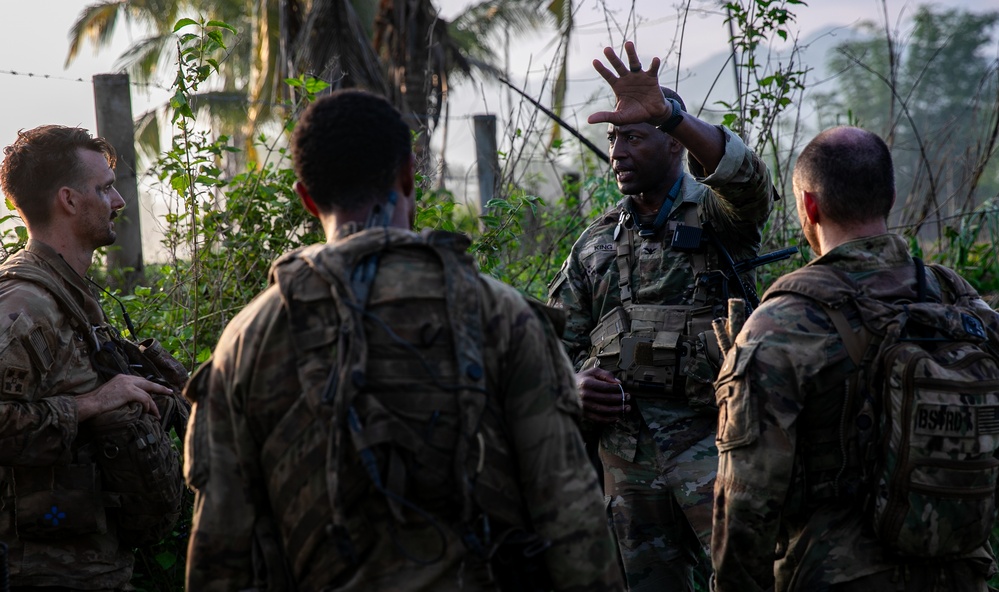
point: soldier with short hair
(383, 417)
(802, 404)
(640, 307)
(65, 376)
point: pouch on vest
(654, 348)
(57, 502)
(140, 472)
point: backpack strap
(20, 270)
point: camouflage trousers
(660, 505)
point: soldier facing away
(640, 312)
(797, 497)
(383, 417)
(68, 395)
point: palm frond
(96, 25)
(146, 57)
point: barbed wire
(41, 76)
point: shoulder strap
(698, 260)
(19, 270)
(624, 250)
(832, 289)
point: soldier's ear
(811, 207)
(307, 201)
(66, 200)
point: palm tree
(399, 48)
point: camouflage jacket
(736, 198)
(44, 361)
(243, 394)
(786, 360)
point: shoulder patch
(13, 381)
(40, 348)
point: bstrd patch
(13, 380)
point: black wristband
(675, 117)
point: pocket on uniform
(738, 418)
(57, 502)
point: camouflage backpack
(926, 401)
(340, 443)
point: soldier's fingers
(588, 386)
(603, 375)
(143, 398)
(654, 67)
(615, 62)
(602, 117)
(156, 388)
(635, 64)
(604, 72)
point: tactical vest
(393, 404)
(123, 460)
(660, 350)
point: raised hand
(639, 98)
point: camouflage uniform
(247, 392)
(659, 462)
(44, 361)
(780, 386)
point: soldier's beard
(812, 237)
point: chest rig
(654, 348)
(123, 469)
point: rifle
(738, 269)
(690, 238)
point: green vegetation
(224, 229)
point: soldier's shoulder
(821, 283)
(255, 320)
(501, 298)
(20, 296)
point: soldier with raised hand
(383, 417)
(64, 372)
(800, 407)
(640, 311)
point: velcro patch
(956, 420)
(13, 381)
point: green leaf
(166, 559)
(216, 36)
(314, 85)
(184, 22)
(222, 25)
